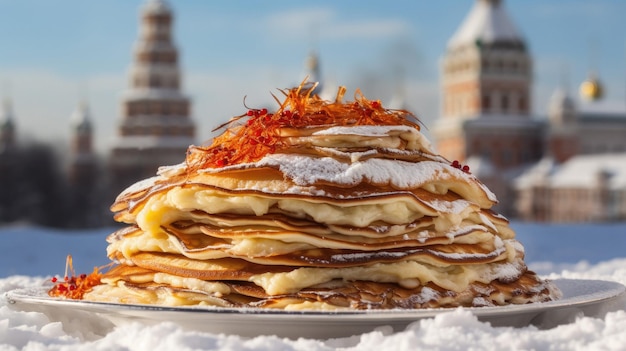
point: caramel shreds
(256, 133)
(72, 286)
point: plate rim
(612, 289)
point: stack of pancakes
(319, 205)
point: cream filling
(252, 247)
(163, 209)
(377, 136)
(216, 288)
(456, 278)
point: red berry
(54, 279)
(250, 113)
(455, 164)
(466, 168)
(263, 111)
(83, 276)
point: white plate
(593, 298)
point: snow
(584, 171)
(30, 255)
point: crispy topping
(72, 286)
(256, 133)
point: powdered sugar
(365, 130)
(304, 170)
(456, 206)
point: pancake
(318, 205)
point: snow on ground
(29, 256)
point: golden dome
(591, 89)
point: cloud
(326, 23)
(300, 20)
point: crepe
(318, 205)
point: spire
(487, 23)
(6, 116)
(591, 89)
(561, 107)
(81, 120)
(7, 125)
(312, 70)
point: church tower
(562, 133)
(82, 157)
(84, 177)
(7, 126)
(155, 127)
(486, 92)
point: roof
(582, 171)
(487, 22)
(537, 174)
(603, 109)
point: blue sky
(55, 53)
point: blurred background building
(568, 166)
(155, 127)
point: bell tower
(486, 76)
(155, 127)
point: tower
(562, 133)
(486, 89)
(10, 172)
(312, 70)
(82, 158)
(155, 127)
(7, 126)
(84, 178)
